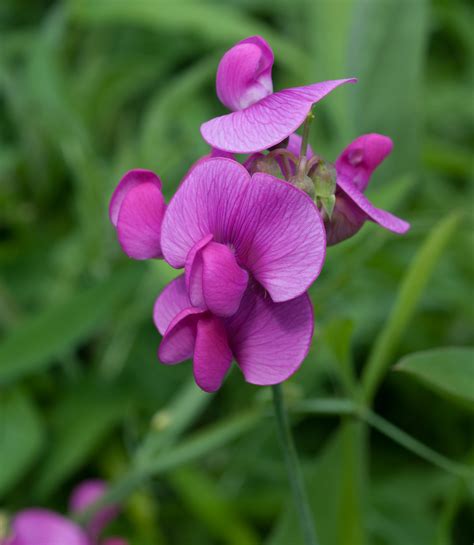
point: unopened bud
(266, 164)
(324, 177)
(327, 204)
(305, 183)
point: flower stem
(304, 144)
(293, 467)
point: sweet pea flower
(44, 527)
(136, 210)
(229, 229)
(354, 168)
(268, 340)
(260, 118)
(85, 495)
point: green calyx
(324, 180)
(268, 165)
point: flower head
(44, 527)
(228, 229)
(268, 340)
(260, 118)
(136, 210)
(86, 494)
(354, 168)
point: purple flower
(44, 527)
(268, 340)
(136, 210)
(354, 168)
(86, 494)
(229, 229)
(260, 118)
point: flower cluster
(44, 527)
(250, 237)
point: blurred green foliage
(91, 88)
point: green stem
(293, 467)
(189, 450)
(304, 144)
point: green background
(92, 88)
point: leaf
(338, 336)
(210, 506)
(21, 437)
(449, 371)
(408, 296)
(324, 485)
(386, 49)
(328, 25)
(35, 344)
(80, 421)
(199, 444)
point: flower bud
(324, 178)
(266, 164)
(305, 183)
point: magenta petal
(131, 179)
(346, 220)
(274, 228)
(178, 341)
(172, 300)
(284, 244)
(383, 218)
(270, 340)
(86, 494)
(267, 122)
(212, 355)
(362, 157)
(42, 527)
(204, 204)
(223, 281)
(193, 273)
(139, 221)
(244, 75)
(294, 146)
(214, 279)
(220, 153)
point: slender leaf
(409, 294)
(80, 422)
(21, 437)
(386, 54)
(449, 371)
(203, 498)
(38, 341)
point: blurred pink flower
(43, 527)
(268, 340)
(86, 494)
(260, 118)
